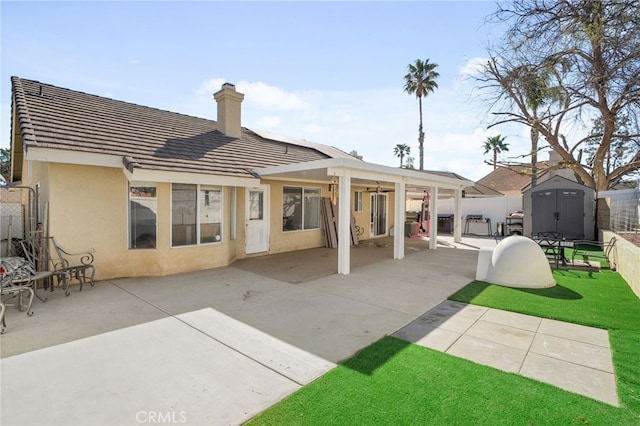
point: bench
(77, 265)
(586, 250)
(45, 254)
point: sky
(327, 72)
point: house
(154, 192)
(512, 180)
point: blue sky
(328, 72)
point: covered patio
(350, 172)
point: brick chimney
(229, 102)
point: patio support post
(433, 224)
(344, 223)
(398, 222)
(457, 216)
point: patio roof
(361, 172)
(350, 171)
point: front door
(257, 220)
(378, 214)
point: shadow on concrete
(307, 265)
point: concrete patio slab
(484, 352)
(580, 333)
(161, 369)
(593, 356)
(576, 378)
(573, 357)
(128, 346)
(503, 334)
(513, 319)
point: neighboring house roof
(512, 179)
(477, 190)
(62, 119)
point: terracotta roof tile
(59, 118)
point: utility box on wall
(560, 205)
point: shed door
(558, 210)
(570, 204)
(543, 207)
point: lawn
(396, 382)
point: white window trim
(198, 223)
(358, 207)
(303, 229)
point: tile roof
(59, 118)
(476, 190)
(511, 179)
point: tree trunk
(421, 136)
(534, 156)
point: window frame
(198, 212)
(358, 201)
(303, 189)
(154, 198)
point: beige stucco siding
(87, 207)
(282, 241)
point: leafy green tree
(495, 145)
(420, 81)
(409, 164)
(588, 52)
(5, 163)
(401, 150)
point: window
(210, 214)
(357, 201)
(143, 207)
(196, 214)
(300, 208)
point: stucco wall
(282, 241)
(88, 209)
(626, 256)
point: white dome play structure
(516, 262)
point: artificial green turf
(396, 382)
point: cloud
(312, 128)
(268, 122)
(372, 121)
(210, 86)
(472, 67)
(272, 97)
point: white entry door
(257, 220)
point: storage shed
(560, 205)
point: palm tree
(497, 145)
(421, 80)
(401, 150)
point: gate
(18, 216)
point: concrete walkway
(216, 346)
(570, 356)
